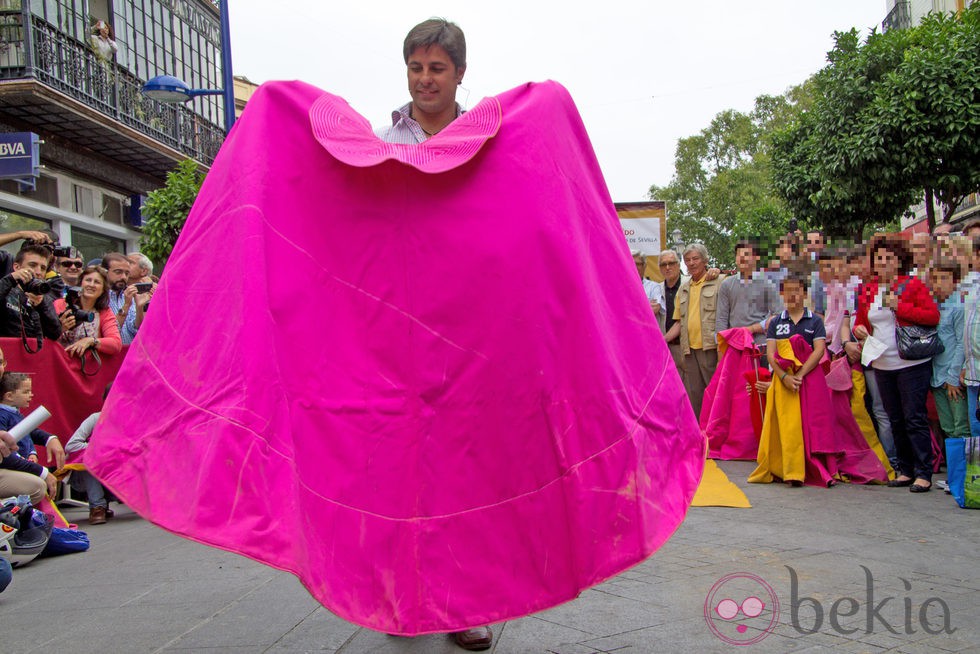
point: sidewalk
(140, 589)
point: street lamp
(678, 241)
(169, 89)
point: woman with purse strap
(900, 301)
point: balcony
(59, 87)
(899, 18)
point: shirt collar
(7, 407)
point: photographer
(27, 311)
(86, 318)
(128, 301)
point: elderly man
(670, 268)
(141, 268)
(695, 311)
(654, 290)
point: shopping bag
(956, 468)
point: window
(15, 222)
(94, 246)
(83, 200)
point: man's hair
(750, 243)
(438, 31)
(11, 381)
(34, 248)
(661, 255)
(699, 248)
(102, 302)
(144, 262)
(110, 257)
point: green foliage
(165, 210)
(722, 190)
(893, 117)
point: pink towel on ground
(726, 415)
(426, 383)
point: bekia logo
(9, 149)
(742, 609)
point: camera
(72, 302)
(64, 251)
(36, 286)
(143, 287)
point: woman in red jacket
(898, 299)
(101, 333)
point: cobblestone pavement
(849, 549)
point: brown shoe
(108, 513)
(476, 639)
(96, 515)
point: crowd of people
(53, 297)
(900, 312)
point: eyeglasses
(72, 264)
(751, 607)
(669, 263)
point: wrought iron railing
(73, 68)
(899, 18)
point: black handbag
(915, 341)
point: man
(695, 311)
(24, 313)
(70, 268)
(141, 268)
(747, 299)
(435, 55)
(922, 247)
(654, 290)
(813, 247)
(670, 268)
(128, 306)
(6, 261)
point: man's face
(696, 265)
(746, 260)
(70, 268)
(641, 265)
(814, 242)
(670, 268)
(921, 247)
(432, 80)
(35, 263)
(118, 274)
(135, 270)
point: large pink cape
(424, 379)
(726, 413)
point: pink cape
(726, 416)
(835, 447)
(422, 378)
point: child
(781, 450)
(16, 394)
(81, 479)
(947, 390)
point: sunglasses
(72, 264)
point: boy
(781, 450)
(947, 391)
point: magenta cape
(423, 379)
(726, 415)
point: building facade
(71, 71)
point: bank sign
(20, 157)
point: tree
(165, 210)
(721, 189)
(894, 118)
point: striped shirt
(971, 328)
(404, 129)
